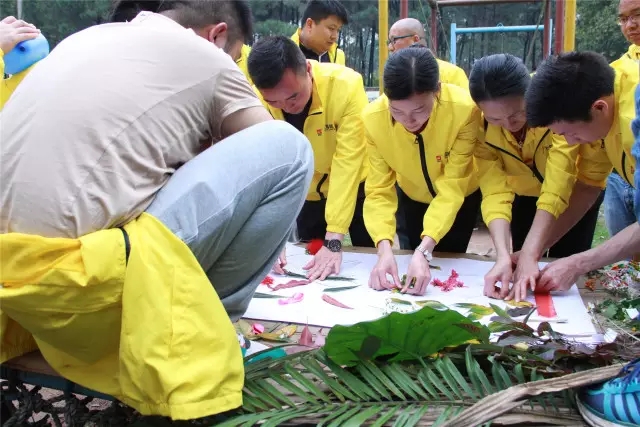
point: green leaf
(340, 289)
(272, 296)
(402, 336)
(304, 276)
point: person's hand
(14, 31)
(323, 264)
(418, 275)
(386, 265)
(515, 257)
(525, 277)
(281, 262)
(559, 275)
(500, 273)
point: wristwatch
(334, 245)
(424, 251)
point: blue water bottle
(25, 54)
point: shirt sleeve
(381, 200)
(346, 165)
(232, 93)
(560, 176)
(452, 185)
(497, 195)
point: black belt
(127, 244)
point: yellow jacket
(451, 73)
(434, 167)
(614, 151)
(336, 55)
(334, 128)
(629, 59)
(545, 166)
(242, 61)
(151, 332)
(8, 85)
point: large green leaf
(402, 336)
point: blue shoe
(615, 402)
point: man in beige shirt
(120, 119)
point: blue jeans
(635, 152)
(619, 212)
(235, 204)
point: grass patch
(601, 234)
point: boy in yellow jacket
(318, 36)
(325, 102)
(142, 203)
(580, 96)
(12, 32)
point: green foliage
(399, 336)
(597, 30)
(596, 26)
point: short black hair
(565, 87)
(318, 10)
(270, 57)
(409, 71)
(498, 76)
(193, 13)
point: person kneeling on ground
(129, 242)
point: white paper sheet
(368, 304)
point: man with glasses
(408, 31)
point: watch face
(334, 245)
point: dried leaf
(519, 311)
(335, 302)
(432, 303)
(340, 289)
(297, 297)
(514, 303)
(306, 338)
(304, 276)
(281, 335)
(400, 301)
(245, 328)
(289, 284)
(477, 309)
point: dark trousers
(458, 237)
(312, 224)
(577, 240)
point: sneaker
(615, 402)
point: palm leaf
(309, 388)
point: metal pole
(383, 35)
(497, 29)
(434, 30)
(569, 25)
(443, 3)
(404, 9)
(559, 30)
(452, 45)
(19, 9)
(546, 38)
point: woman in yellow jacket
(521, 169)
(421, 135)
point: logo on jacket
(319, 132)
(330, 127)
(439, 159)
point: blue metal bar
(475, 30)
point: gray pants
(235, 205)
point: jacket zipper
(423, 164)
(325, 176)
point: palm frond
(447, 391)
